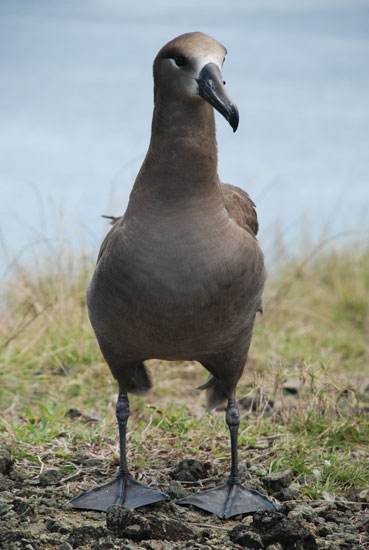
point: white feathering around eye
(202, 61)
(173, 63)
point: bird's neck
(181, 161)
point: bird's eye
(180, 60)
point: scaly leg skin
(123, 489)
(232, 498)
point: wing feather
(240, 207)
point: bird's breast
(185, 265)
(182, 286)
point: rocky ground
(35, 515)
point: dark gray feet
(229, 500)
(232, 498)
(122, 490)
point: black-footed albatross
(180, 275)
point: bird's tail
(139, 382)
(215, 394)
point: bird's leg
(122, 412)
(123, 489)
(232, 498)
(233, 422)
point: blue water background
(76, 107)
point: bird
(180, 275)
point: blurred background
(76, 105)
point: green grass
(314, 334)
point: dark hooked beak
(211, 88)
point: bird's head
(188, 68)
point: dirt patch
(138, 525)
(38, 517)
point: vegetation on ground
(304, 395)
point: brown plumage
(238, 204)
(180, 275)
(240, 208)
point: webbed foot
(122, 490)
(229, 500)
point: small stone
(56, 526)
(278, 480)
(325, 509)
(302, 511)
(90, 416)
(246, 539)
(332, 527)
(275, 527)
(5, 483)
(6, 461)
(288, 493)
(65, 546)
(5, 507)
(50, 477)
(176, 490)
(74, 413)
(82, 535)
(178, 510)
(33, 482)
(164, 528)
(87, 416)
(324, 530)
(127, 522)
(337, 517)
(118, 518)
(275, 546)
(133, 531)
(191, 470)
(247, 521)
